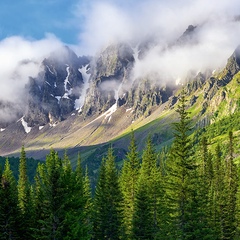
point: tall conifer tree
(100, 206)
(25, 198)
(107, 203)
(52, 191)
(9, 211)
(181, 176)
(229, 194)
(128, 183)
(218, 200)
(153, 178)
(142, 215)
(203, 199)
(77, 223)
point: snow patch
(48, 83)
(67, 92)
(25, 126)
(40, 127)
(2, 129)
(50, 70)
(136, 53)
(110, 111)
(178, 81)
(52, 124)
(58, 98)
(107, 114)
(86, 76)
(113, 109)
(129, 109)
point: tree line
(186, 192)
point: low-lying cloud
(19, 59)
(217, 33)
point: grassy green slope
(216, 109)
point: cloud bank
(19, 59)
(216, 36)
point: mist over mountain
(127, 63)
(141, 118)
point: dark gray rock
(53, 92)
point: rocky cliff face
(77, 96)
(67, 84)
(112, 82)
(110, 73)
(53, 93)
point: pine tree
(23, 183)
(70, 208)
(151, 175)
(128, 183)
(181, 177)
(39, 202)
(100, 220)
(88, 205)
(203, 199)
(50, 189)
(25, 199)
(108, 199)
(142, 215)
(218, 200)
(9, 211)
(230, 195)
(77, 223)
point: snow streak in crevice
(86, 76)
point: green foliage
(181, 177)
(9, 211)
(25, 199)
(107, 201)
(142, 216)
(14, 162)
(223, 126)
(229, 206)
(149, 204)
(62, 200)
(128, 184)
(190, 190)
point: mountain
(83, 103)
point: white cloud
(217, 34)
(19, 59)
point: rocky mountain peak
(188, 35)
(87, 92)
(52, 94)
(111, 70)
(232, 67)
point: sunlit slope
(208, 102)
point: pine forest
(188, 190)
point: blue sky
(63, 18)
(90, 23)
(34, 18)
